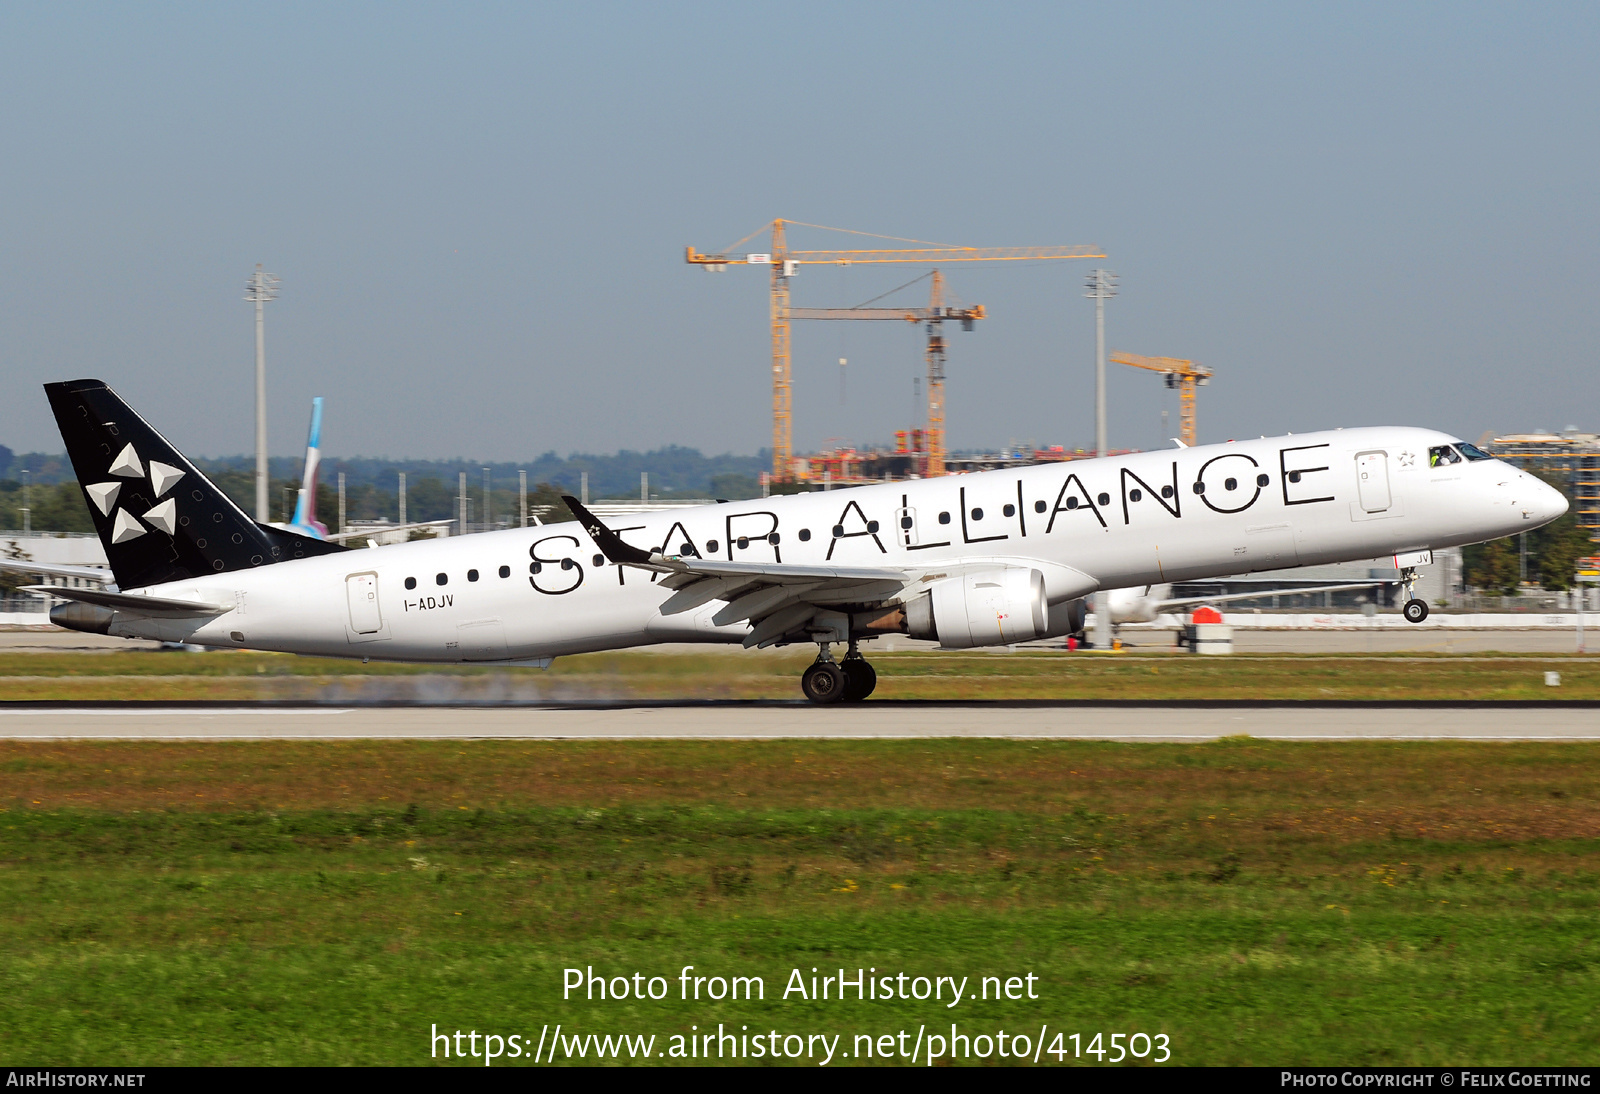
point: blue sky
(1356, 214)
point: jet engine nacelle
(987, 608)
(1067, 617)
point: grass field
(240, 676)
(1265, 903)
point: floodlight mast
(261, 288)
(1102, 286)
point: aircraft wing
(778, 600)
(1165, 604)
(131, 602)
(50, 569)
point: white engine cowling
(988, 608)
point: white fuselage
(1106, 523)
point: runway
(779, 721)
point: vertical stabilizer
(158, 517)
(305, 508)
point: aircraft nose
(1538, 502)
(1552, 504)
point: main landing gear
(830, 681)
(1415, 610)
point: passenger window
(411, 583)
(744, 542)
(1010, 510)
(1230, 484)
(1441, 455)
(772, 538)
(1072, 502)
(1262, 480)
(599, 560)
(906, 522)
(805, 535)
(944, 518)
(711, 546)
(1294, 476)
(977, 514)
(838, 531)
(441, 579)
(1135, 495)
(505, 571)
(1166, 491)
(1039, 507)
(1104, 499)
(1199, 488)
(686, 548)
(472, 575)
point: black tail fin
(159, 518)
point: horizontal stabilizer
(131, 602)
(53, 569)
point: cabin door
(1372, 481)
(361, 591)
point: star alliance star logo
(125, 525)
(1407, 459)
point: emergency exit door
(1372, 481)
(361, 591)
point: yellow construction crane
(783, 263)
(934, 315)
(1181, 374)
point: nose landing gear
(829, 681)
(1415, 610)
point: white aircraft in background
(1147, 603)
(993, 558)
(305, 522)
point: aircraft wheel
(1415, 611)
(824, 682)
(859, 679)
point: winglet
(609, 542)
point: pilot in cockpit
(1442, 454)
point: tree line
(1553, 552)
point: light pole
(1102, 286)
(261, 288)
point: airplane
(1146, 603)
(990, 558)
(305, 522)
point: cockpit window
(1441, 454)
(1473, 452)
